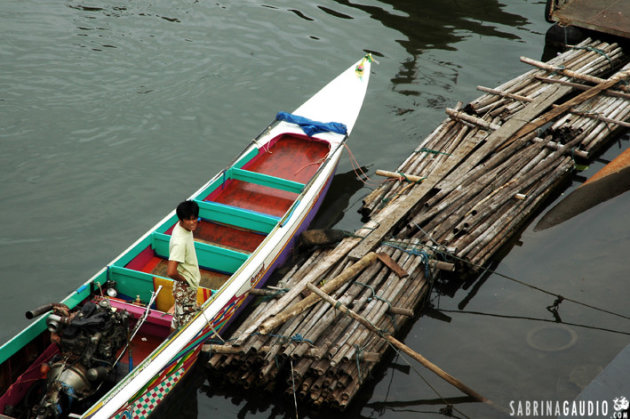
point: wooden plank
(392, 265)
(391, 215)
(608, 16)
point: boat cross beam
(236, 216)
(265, 180)
(212, 257)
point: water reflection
(439, 25)
(337, 200)
(436, 26)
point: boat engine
(89, 340)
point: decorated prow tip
(360, 68)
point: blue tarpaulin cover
(311, 127)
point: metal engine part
(89, 339)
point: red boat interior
(291, 157)
(237, 211)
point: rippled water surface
(112, 112)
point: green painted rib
(246, 158)
(163, 228)
(210, 188)
(238, 217)
(131, 282)
(265, 180)
(209, 256)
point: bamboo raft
(463, 194)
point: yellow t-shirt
(182, 249)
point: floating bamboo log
(462, 116)
(579, 86)
(520, 98)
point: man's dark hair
(187, 209)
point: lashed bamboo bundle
(473, 209)
(588, 59)
(466, 209)
(331, 354)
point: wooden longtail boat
(107, 350)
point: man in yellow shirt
(183, 267)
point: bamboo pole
(512, 222)
(359, 296)
(569, 73)
(580, 86)
(586, 95)
(462, 116)
(297, 308)
(501, 93)
(399, 175)
(555, 146)
(598, 116)
(332, 258)
(399, 345)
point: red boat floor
(255, 197)
(291, 157)
(227, 236)
(141, 346)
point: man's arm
(172, 272)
